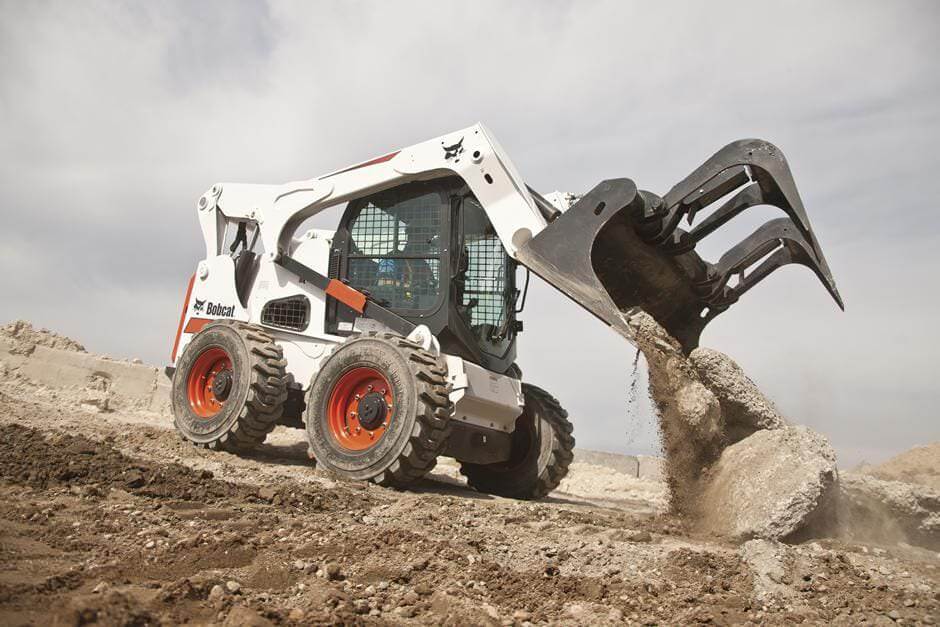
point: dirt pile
(875, 510)
(25, 338)
(733, 464)
(920, 465)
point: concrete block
(770, 485)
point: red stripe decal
(381, 159)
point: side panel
(213, 297)
(483, 398)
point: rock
(765, 558)
(638, 536)
(410, 598)
(233, 587)
(332, 571)
(95, 400)
(300, 565)
(241, 616)
(150, 545)
(521, 615)
(216, 593)
(101, 588)
(420, 564)
(134, 479)
(491, 611)
(266, 493)
(744, 408)
(770, 484)
(577, 611)
(875, 510)
(423, 589)
(296, 615)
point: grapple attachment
(619, 249)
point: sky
(116, 116)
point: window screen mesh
(401, 283)
(410, 227)
(486, 281)
(287, 313)
(395, 247)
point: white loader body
(480, 397)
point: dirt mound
(876, 510)
(919, 465)
(25, 338)
(42, 461)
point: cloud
(114, 118)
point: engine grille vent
(291, 313)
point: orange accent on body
(179, 329)
(195, 325)
(352, 298)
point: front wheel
(229, 387)
(542, 450)
(379, 410)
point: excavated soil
(107, 517)
(920, 465)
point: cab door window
(395, 248)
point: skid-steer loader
(392, 339)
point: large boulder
(772, 485)
(743, 405)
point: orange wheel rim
(360, 408)
(209, 382)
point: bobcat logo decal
(198, 305)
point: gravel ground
(108, 517)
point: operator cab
(427, 251)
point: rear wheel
(542, 450)
(379, 410)
(229, 387)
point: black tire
(418, 421)
(256, 395)
(542, 450)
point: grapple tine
(778, 236)
(768, 168)
(620, 249)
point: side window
(395, 247)
(486, 294)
